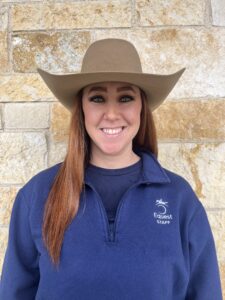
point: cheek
(133, 113)
(91, 116)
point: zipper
(111, 232)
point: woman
(109, 222)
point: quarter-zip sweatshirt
(161, 246)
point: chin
(113, 149)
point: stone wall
(168, 35)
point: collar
(152, 171)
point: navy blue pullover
(160, 247)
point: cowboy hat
(110, 59)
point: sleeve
(204, 280)
(20, 272)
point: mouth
(112, 132)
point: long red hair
(63, 200)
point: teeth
(112, 131)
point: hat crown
(111, 55)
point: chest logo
(161, 215)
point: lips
(112, 132)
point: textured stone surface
(24, 1)
(217, 223)
(3, 239)
(191, 119)
(7, 198)
(21, 156)
(60, 120)
(162, 51)
(1, 116)
(29, 115)
(203, 165)
(25, 15)
(79, 14)
(222, 277)
(24, 87)
(3, 17)
(2, 254)
(4, 67)
(54, 51)
(57, 152)
(218, 12)
(169, 12)
(3, 244)
(167, 50)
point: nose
(111, 112)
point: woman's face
(112, 116)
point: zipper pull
(111, 234)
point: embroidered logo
(161, 215)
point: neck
(114, 161)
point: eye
(97, 97)
(93, 98)
(130, 98)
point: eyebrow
(123, 88)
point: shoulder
(182, 192)
(178, 181)
(168, 184)
(41, 182)
(183, 200)
(44, 177)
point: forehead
(104, 86)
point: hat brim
(66, 86)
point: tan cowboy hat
(110, 60)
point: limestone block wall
(168, 35)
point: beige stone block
(22, 155)
(1, 116)
(3, 239)
(22, 1)
(217, 223)
(60, 121)
(3, 17)
(27, 16)
(3, 245)
(79, 14)
(190, 119)
(53, 51)
(222, 277)
(26, 116)
(3, 50)
(24, 87)
(57, 151)
(167, 50)
(169, 12)
(2, 256)
(202, 165)
(218, 12)
(8, 195)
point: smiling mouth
(113, 131)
